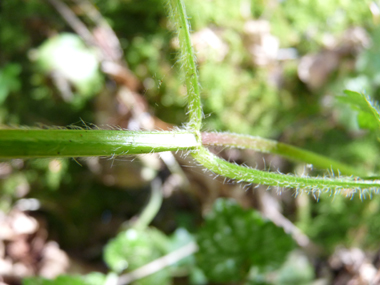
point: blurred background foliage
(268, 68)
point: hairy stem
(346, 185)
(274, 147)
(177, 12)
(30, 143)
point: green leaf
(297, 270)
(233, 240)
(369, 114)
(178, 239)
(133, 248)
(97, 278)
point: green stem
(30, 143)
(274, 147)
(339, 185)
(152, 208)
(177, 12)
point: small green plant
(63, 142)
(234, 244)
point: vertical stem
(187, 60)
(152, 208)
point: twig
(73, 21)
(106, 39)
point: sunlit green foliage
(307, 23)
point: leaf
(97, 278)
(369, 114)
(133, 248)
(178, 239)
(233, 240)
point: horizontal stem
(274, 147)
(30, 143)
(343, 185)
